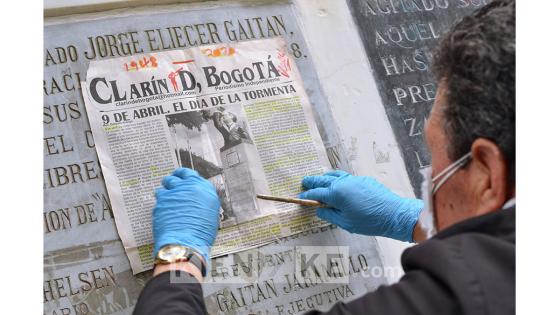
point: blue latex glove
(186, 212)
(362, 205)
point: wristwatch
(172, 253)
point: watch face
(171, 252)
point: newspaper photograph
(238, 114)
(220, 149)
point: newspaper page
(236, 113)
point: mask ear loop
(450, 170)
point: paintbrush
(303, 202)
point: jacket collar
(499, 223)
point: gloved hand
(186, 212)
(362, 205)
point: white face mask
(427, 217)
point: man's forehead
(433, 130)
(439, 102)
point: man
(468, 267)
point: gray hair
(476, 62)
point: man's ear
(489, 176)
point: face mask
(427, 217)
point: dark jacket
(469, 268)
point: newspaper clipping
(238, 114)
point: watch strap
(193, 258)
